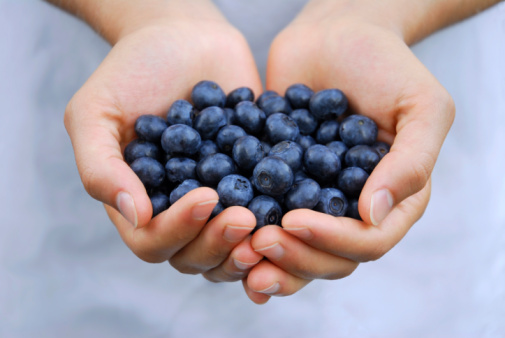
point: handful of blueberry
(272, 155)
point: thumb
(406, 169)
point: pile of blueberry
(272, 155)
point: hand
(329, 46)
(150, 66)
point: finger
(171, 230)
(237, 265)
(352, 239)
(215, 242)
(297, 258)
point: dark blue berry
(238, 95)
(322, 163)
(180, 139)
(382, 148)
(206, 148)
(327, 132)
(266, 146)
(280, 127)
(266, 210)
(332, 202)
(230, 116)
(160, 203)
(351, 181)
(339, 148)
(306, 122)
(179, 169)
(217, 210)
(304, 194)
(235, 190)
(328, 103)
(182, 189)
(227, 136)
(181, 112)
(141, 148)
(362, 156)
(289, 151)
(266, 94)
(247, 152)
(150, 172)
(250, 117)
(358, 129)
(272, 176)
(208, 122)
(305, 141)
(150, 127)
(298, 95)
(275, 104)
(300, 175)
(206, 94)
(352, 209)
(214, 167)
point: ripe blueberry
(332, 202)
(150, 127)
(180, 139)
(181, 112)
(272, 176)
(206, 94)
(235, 190)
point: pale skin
(162, 48)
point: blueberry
(300, 175)
(305, 141)
(150, 127)
(362, 156)
(322, 163)
(352, 209)
(160, 203)
(214, 167)
(217, 210)
(290, 152)
(141, 148)
(266, 94)
(150, 171)
(180, 139)
(339, 148)
(182, 189)
(227, 136)
(179, 169)
(247, 152)
(298, 95)
(358, 129)
(206, 148)
(306, 122)
(206, 94)
(280, 127)
(328, 103)
(208, 122)
(266, 210)
(382, 148)
(304, 194)
(266, 146)
(238, 95)
(332, 202)
(275, 104)
(235, 190)
(250, 117)
(230, 116)
(181, 112)
(351, 181)
(327, 132)
(272, 176)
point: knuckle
(421, 170)
(374, 252)
(185, 268)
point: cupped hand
(147, 69)
(328, 46)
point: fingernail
(274, 251)
(243, 266)
(234, 234)
(126, 207)
(203, 210)
(380, 206)
(303, 233)
(274, 288)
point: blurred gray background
(64, 271)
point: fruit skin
(250, 117)
(304, 194)
(235, 190)
(141, 148)
(352, 209)
(275, 104)
(181, 112)
(289, 151)
(298, 95)
(339, 148)
(214, 167)
(358, 130)
(227, 136)
(272, 176)
(362, 156)
(150, 172)
(328, 103)
(182, 189)
(179, 169)
(280, 127)
(160, 203)
(321, 163)
(180, 139)
(305, 141)
(208, 122)
(351, 181)
(247, 152)
(266, 210)
(382, 148)
(206, 94)
(206, 148)
(150, 127)
(307, 123)
(217, 210)
(238, 95)
(328, 132)
(230, 116)
(332, 202)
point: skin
(162, 48)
